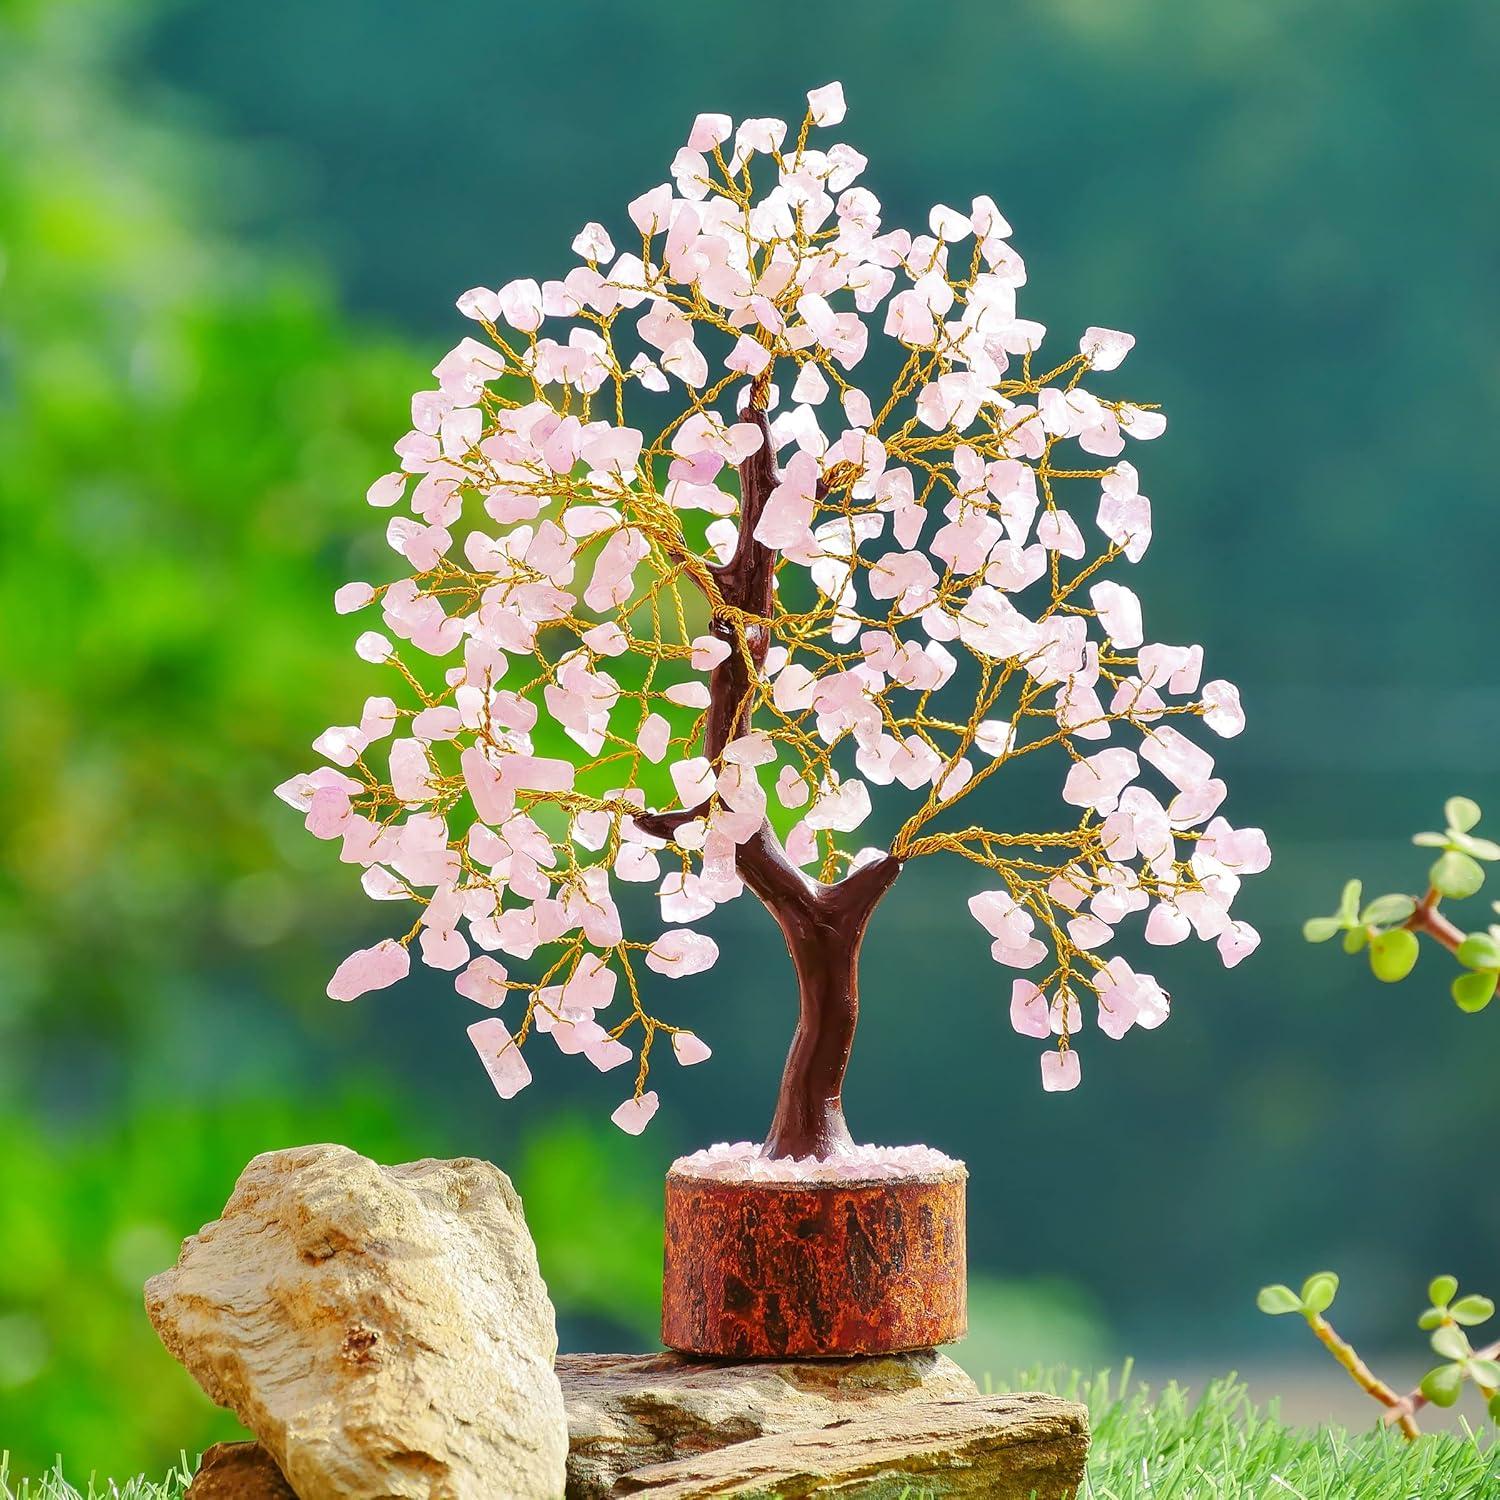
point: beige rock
(383, 1331)
(1027, 1447)
(626, 1411)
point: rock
(383, 1331)
(1026, 1447)
(238, 1471)
(626, 1411)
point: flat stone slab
(664, 1425)
(1022, 1447)
(640, 1421)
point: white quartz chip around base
(744, 1161)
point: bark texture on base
(998, 1447)
(626, 1411)
(770, 1270)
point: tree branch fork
(823, 922)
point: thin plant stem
(1414, 1400)
(1427, 918)
(1361, 1374)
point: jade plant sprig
(1446, 1320)
(1387, 928)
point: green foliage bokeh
(185, 427)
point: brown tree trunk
(823, 935)
(809, 1118)
(823, 924)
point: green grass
(1168, 1445)
(54, 1487)
(1161, 1445)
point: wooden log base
(814, 1269)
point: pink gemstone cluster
(938, 540)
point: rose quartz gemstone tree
(771, 516)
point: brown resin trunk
(823, 928)
(823, 924)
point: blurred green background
(230, 237)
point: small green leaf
(1495, 1406)
(1472, 1309)
(1462, 813)
(1454, 874)
(1442, 1290)
(1430, 840)
(1387, 911)
(1432, 1318)
(1472, 992)
(1320, 929)
(1319, 1290)
(1466, 843)
(1278, 1299)
(1443, 1385)
(1349, 903)
(1451, 1342)
(1479, 951)
(1393, 954)
(1484, 1372)
(1355, 939)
